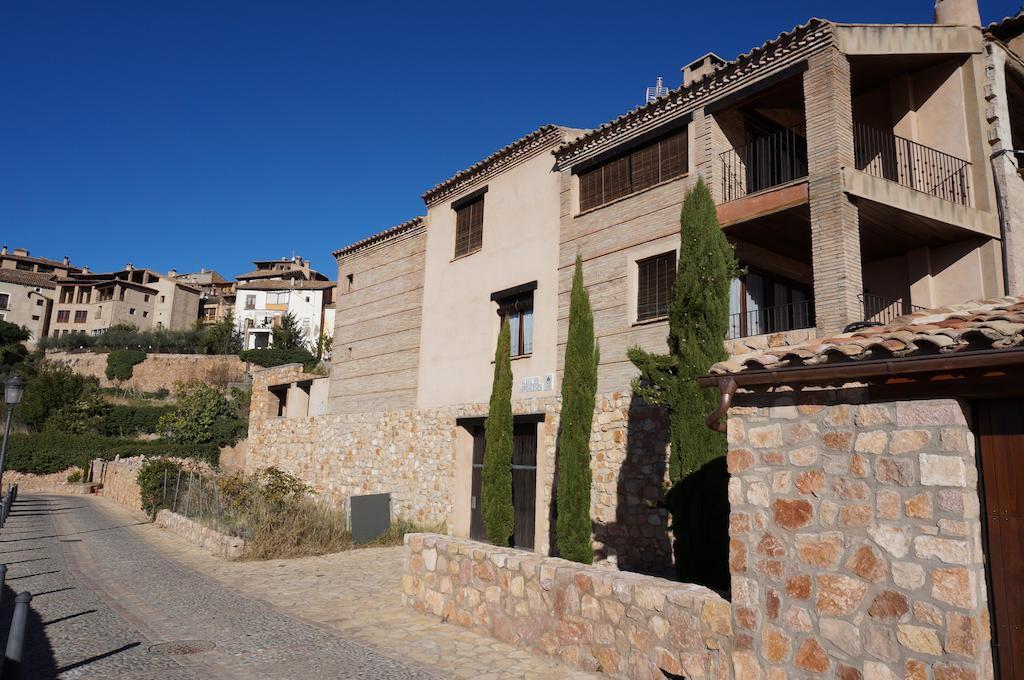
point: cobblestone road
(103, 598)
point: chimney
(696, 70)
(67, 261)
(21, 251)
(172, 273)
(957, 12)
(3, 251)
(85, 270)
(129, 267)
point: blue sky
(195, 134)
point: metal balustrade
(766, 162)
(776, 319)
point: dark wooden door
(524, 484)
(1001, 428)
(477, 530)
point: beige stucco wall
(24, 308)
(460, 322)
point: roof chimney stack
(957, 12)
(3, 251)
(23, 252)
(129, 267)
(67, 261)
(172, 273)
(701, 67)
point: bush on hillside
(151, 482)
(278, 357)
(51, 388)
(128, 337)
(204, 415)
(12, 349)
(47, 452)
(128, 421)
(120, 363)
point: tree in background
(12, 351)
(579, 388)
(698, 324)
(496, 491)
(49, 389)
(203, 415)
(221, 337)
(289, 335)
(324, 343)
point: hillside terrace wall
(120, 481)
(158, 371)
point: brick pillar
(704, 157)
(835, 227)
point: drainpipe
(1002, 214)
(716, 421)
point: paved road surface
(103, 599)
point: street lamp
(13, 389)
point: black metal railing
(897, 159)
(881, 310)
(772, 320)
(767, 162)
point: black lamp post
(13, 389)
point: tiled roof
(541, 138)
(27, 278)
(1008, 27)
(10, 255)
(280, 273)
(971, 326)
(412, 225)
(686, 97)
(289, 284)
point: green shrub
(87, 414)
(75, 477)
(120, 363)
(51, 388)
(496, 491)
(12, 351)
(278, 357)
(48, 452)
(151, 482)
(203, 415)
(126, 336)
(128, 421)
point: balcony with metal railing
(880, 310)
(767, 320)
(767, 162)
(886, 155)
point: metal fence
(897, 159)
(772, 320)
(881, 310)
(766, 162)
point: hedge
(278, 357)
(49, 452)
(126, 421)
(120, 363)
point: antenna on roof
(659, 90)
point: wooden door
(524, 484)
(477, 530)
(1001, 429)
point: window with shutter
(469, 227)
(656, 277)
(518, 312)
(635, 170)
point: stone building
(850, 165)
(216, 294)
(91, 302)
(27, 289)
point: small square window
(131, 311)
(145, 315)
(145, 298)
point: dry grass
(303, 529)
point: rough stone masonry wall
(120, 481)
(158, 371)
(856, 541)
(222, 545)
(413, 456)
(598, 619)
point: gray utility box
(371, 516)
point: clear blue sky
(208, 133)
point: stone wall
(158, 371)
(416, 456)
(222, 545)
(855, 539)
(120, 481)
(598, 619)
(56, 482)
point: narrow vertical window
(655, 278)
(469, 227)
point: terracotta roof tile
(25, 278)
(410, 225)
(984, 324)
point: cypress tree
(698, 324)
(579, 387)
(496, 491)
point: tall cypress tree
(579, 387)
(496, 491)
(698, 324)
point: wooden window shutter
(674, 156)
(469, 227)
(656, 278)
(591, 189)
(616, 179)
(645, 171)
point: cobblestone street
(103, 600)
(109, 589)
